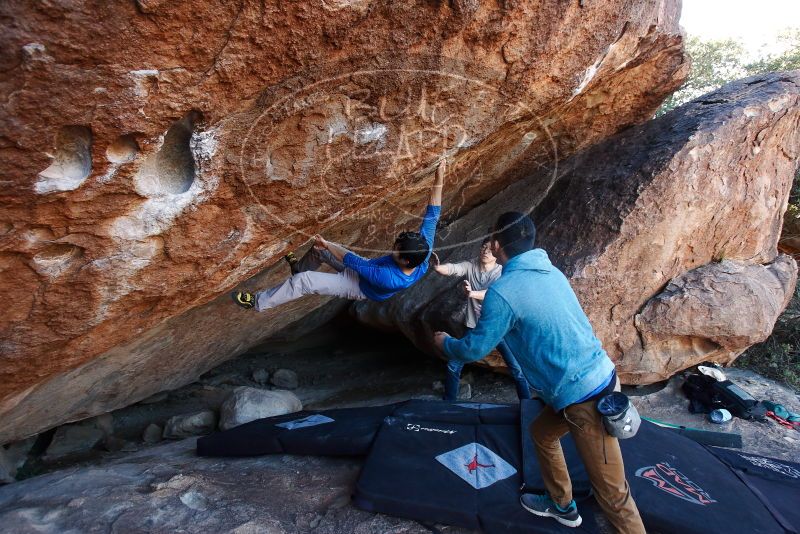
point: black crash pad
(465, 464)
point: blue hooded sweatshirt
(533, 309)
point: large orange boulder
(156, 154)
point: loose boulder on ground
(12, 457)
(79, 437)
(285, 379)
(261, 376)
(248, 404)
(188, 425)
(152, 434)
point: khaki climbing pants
(306, 281)
(600, 454)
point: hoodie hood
(533, 260)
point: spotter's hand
(466, 288)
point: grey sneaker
(542, 505)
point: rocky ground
(163, 487)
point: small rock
(7, 470)
(188, 425)
(152, 434)
(177, 483)
(464, 391)
(12, 457)
(158, 397)
(285, 378)
(307, 521)
(261, 376)
(262, 526)
(248, 404)
(73, 439)
(195, 500)
(438, 386)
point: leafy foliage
(717, 62)
(714, 63)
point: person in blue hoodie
(356, 278)
(533, 308)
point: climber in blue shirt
(356, 278)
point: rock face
(720, 307)
(156, 154)
(657, 205)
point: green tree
(714, 63)
(787, 59)
(717, 62)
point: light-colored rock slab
(247, 404)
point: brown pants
(600, 454)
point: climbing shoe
(292, 260)
(244, 299)
(543, 505)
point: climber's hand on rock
(320, 243)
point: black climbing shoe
(244, 299)
(292, 260)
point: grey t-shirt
(478, 280)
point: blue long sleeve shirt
(534, 310)
(381, 278)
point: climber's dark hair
(412, 247)
(515, 233)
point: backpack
(705, 394)
(739, 402)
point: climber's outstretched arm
(438, 184)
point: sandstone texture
(716, 308)
(156, 154)
(668, 233)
